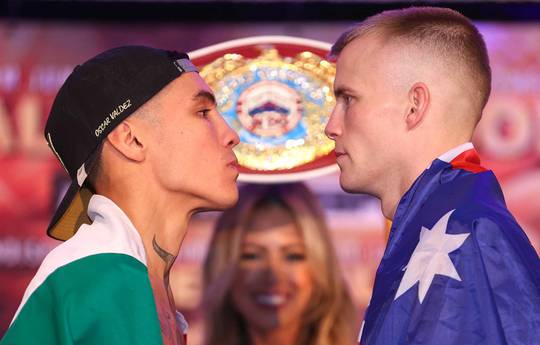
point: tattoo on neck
(167, 257)
(168, 331)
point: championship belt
(276, 93)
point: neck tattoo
(165, 256)
(173, 335)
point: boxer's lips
(233, 164)
(340, 154)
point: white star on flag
(430, 257)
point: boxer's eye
(204, 113)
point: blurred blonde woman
(271, 275)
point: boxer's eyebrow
(205, 95)
(340, 91)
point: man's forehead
(349, 69)
(191, 86)
(363, 59)
(364, 49)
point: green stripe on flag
(97, 300)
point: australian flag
(458, 268)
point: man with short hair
(410, 88)
(138, 131)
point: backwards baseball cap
(96, 97)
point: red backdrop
(35, 58)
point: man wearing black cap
(138, 132)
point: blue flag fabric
(457, 268)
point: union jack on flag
(458, 268)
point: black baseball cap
(94, 99)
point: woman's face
(274, 283)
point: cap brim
(71, 213)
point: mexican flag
(92, 289)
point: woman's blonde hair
(329, 319)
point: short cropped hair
(445, 32)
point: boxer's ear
(418, 104)
(128, 139)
